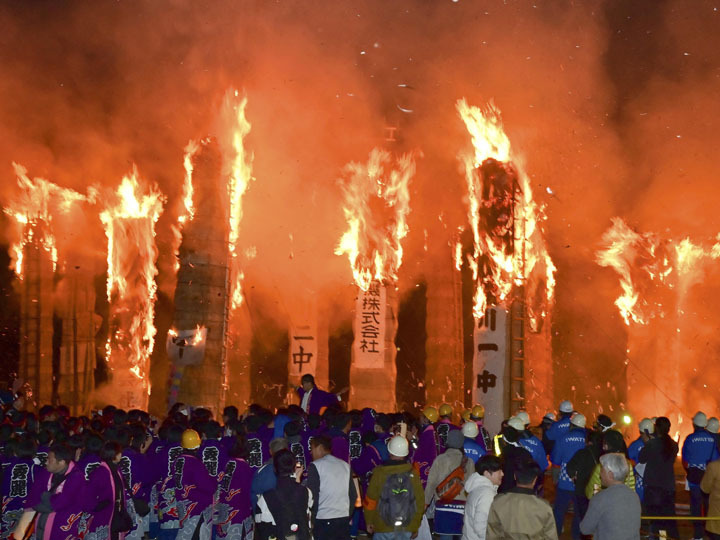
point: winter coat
(520, 515)
(442, 467)
(659, 460)
(711, 484)
(481, 492)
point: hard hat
(524, 416)
(431, 413)
(516, 423)
(470, 430)
(398, 446)
(445, 410)
(190, 439)
(477, 412)
(578, 420)
(700, 419)
(465, 415)
(647, 425)
(566, 407)
(713, 425)
(550, 416)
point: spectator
(286, 509)
(448, 513)
(407, 496)
(513, 454)
(519, 514)
(710, 484)
(333, 491)
(481, 488)
(658, 455)
(264, 478)
(614, 513)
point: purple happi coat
(214, 456)
(162, 475)
(99, 501)
(442, 428)
(340, 445)
(426, 452)
(194, 487)
(234, 508)
(17, 481)
(319, 399)
(67, 520)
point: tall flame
(377, 201)
(508, 245)
(129, 222)
(646, 263)
(188, 206)
(33, 212)
(238, 165)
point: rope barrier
(682, 518)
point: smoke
(611, 116)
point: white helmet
(647, 425)
(700, 419)
(578, 420)
(566, 407)
(524, 416)
(398, 446)
(516, 423)
(470, 430)
(713, 425)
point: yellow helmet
(431, 413)
(466, 415)
(190, 439)
(477, 412)
(445, 410)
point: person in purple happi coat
(234, 516)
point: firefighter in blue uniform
(531, 443)
(646, 427)
(698, 450)
(563, 451)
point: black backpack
(397, 500)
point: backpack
(397, 500)
(453, 484)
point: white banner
(489, 366)
(186, 347)
(303, 351)
(369, 328)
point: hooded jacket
(481, 492)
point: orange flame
(189, 209)
(129, 223)
(645, 262)
(508, 245)
(235, 127)
(33, 213)
(377, 201)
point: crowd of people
(312, 470)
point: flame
(377, 201)
(508, 245)
(129, 221)
(647, 263)
(239, 171)
(33, 212)
(190, 150)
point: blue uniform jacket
(473, 450)
(535, 446)
(558, 428)
(563, 451)
(699, 449)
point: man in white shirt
(330, 482)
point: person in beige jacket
(448, 516)
(519, 514)
(710, 484)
